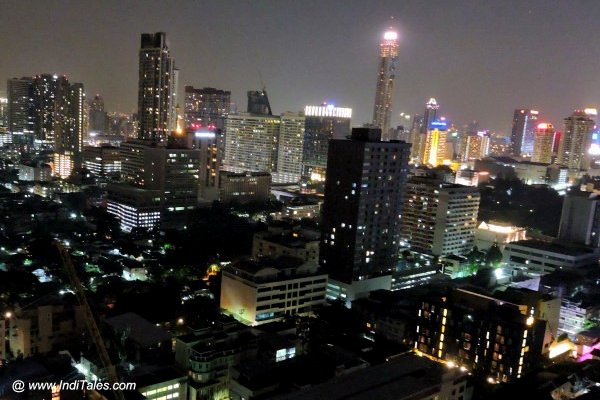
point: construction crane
(90, 321)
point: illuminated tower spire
(388, 52)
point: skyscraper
(20, 110)
(68, 135)
(434, 149)
(156, 87)
(289, 152)
(580, 219)
(360, 231)
(322, 123)
(206, 106)
(439, 218)
(430, 115)
(258, 102)
(576, 140)
(382, 111)
(98, 118)
(543, 143)
(3, 112)
(251, 142)
(522, 136)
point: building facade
(290, 147)
(523, 131)
(543, 143)
(576, 140)
(439, 218)
(156, 87)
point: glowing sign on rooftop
(440, 125)
(591, 111)
(204, 134)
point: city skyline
(479, 60)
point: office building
(439, 218)
(156, 87)
(580, 218)
(258, 103)
(244, 187)
(430, 114)
(486, 335)
(103, 161)
(21, 122)
(534, 258)
(290, 146)
(206, 140)
(576, 141)
(297, 243)
(256, 292)
(360, 229)
(476, 146)
(523, 132)
(435, 149)
(3, 113)
(543, 143)
(321, 124)
(382, 110)
(206, 106)
(251, 142)
(98, 117)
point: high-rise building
(98, 118)
(156, 87)
(388, 53)
(258, 102)
(476, 145)
(289, 153)
(3, 112)
(580, 219)
(523, 131)
(360, 230)
(435, 149)
(321, 124)
(206, 106)
(251, 142)
(430, 115)
(20, 110)
(68, 140)
(576, 141)
(439, 218)
(543, 143)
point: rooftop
(138, 329)
(553, 247)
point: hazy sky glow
(480, 59)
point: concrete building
(455, 266)
(439, 218)
(576, 141)
(290, 146)
(156, 88)
(299, 243)
(495, 338)
(44, 327)
(35, 172)
(103, 161)
(134, 207)
(534, 258)
(321, 124)
(543, 144)
(251, 142)
(21, 120)
(360, 229)
(532, 173)
(580, 218)
(500, 233)
(246, 187)
(206, 106)
(574, 313)
(255, 292)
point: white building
(495, 232)
(573, 315)
(289, 153)
(256, 292)
(534, 258)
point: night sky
(479, 59)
